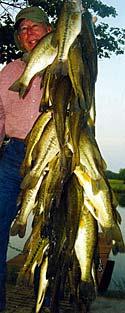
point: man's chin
(31, 46)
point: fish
(43, 284)
(68, 27)
(74, 199)
(45, 103)
(34, 236)
(40, 57)
(57, 236)
(118, 246)
(27, 205)
(79, 106)
(91, 116)
(56, 179)
(89, 45)
(60, 102)
(75, 121)
(39, 209)
(102, 205)
(46, 149)
(32, 139)
(89, 49)
(34, 258)
(69, 210)
(90, 156)
(77, 76)
(85, 248)
(74, 275)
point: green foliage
(122, 174)
(109, 39)
(121, 199)
(118, 185)
(8, 50)
(117, 176)
(111, 175)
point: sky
(110, 100)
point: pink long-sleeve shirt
(17, 116)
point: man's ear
(18, 36)
(49, 29)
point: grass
(119, 188)
(117, 185)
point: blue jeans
(9, 189)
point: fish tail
(14, 229)
(18, 229)
(87, 293)
(44, 107)
(23, 279)
(22, 230)
(18, 86)
(118, 247)
(113, 233)
(20, 279)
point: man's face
(31, 32)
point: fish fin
(19, 198)
(25, 182)
(26, 56)
(75, 160)
(29, 181)
(104, 165)
(117, 216)
(54, 41)
(86, 176)
(59, 67)
(95, 186)
(91, 208)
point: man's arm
(2, 122)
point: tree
(109, 39)
(122, 173)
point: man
(17, 117)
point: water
(118, 276)
(18, 243)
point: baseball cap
(34, 14)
